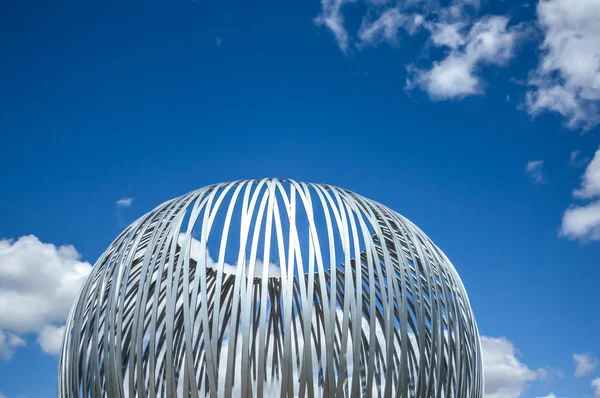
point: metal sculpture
(271, 288)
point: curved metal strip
(312, 291)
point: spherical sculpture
(271, 288)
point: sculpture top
(272, 287)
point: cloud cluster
(566, 79)
(468, 44)
(583, 221)
(38, 284)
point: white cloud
(582, 222)
(50, 339)
(385, 28)
(469, 45)
(585, 364)
(567, 79)
(535, 170)
(332, 18)
(124, 202)
(38, 284)
(447, 34)
(504, 374)
(8, 344)
(590, 181)
(551, 395)
(490, 41)
(596, 387)
(2, 395)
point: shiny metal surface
(271, 288)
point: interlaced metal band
(271, 288)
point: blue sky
(477, 121)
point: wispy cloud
(385, 27)
(596, 387)
(577, 159)
(535, 170)
(218, 41)
(331, 17)
(584, 364)
(124, 202)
